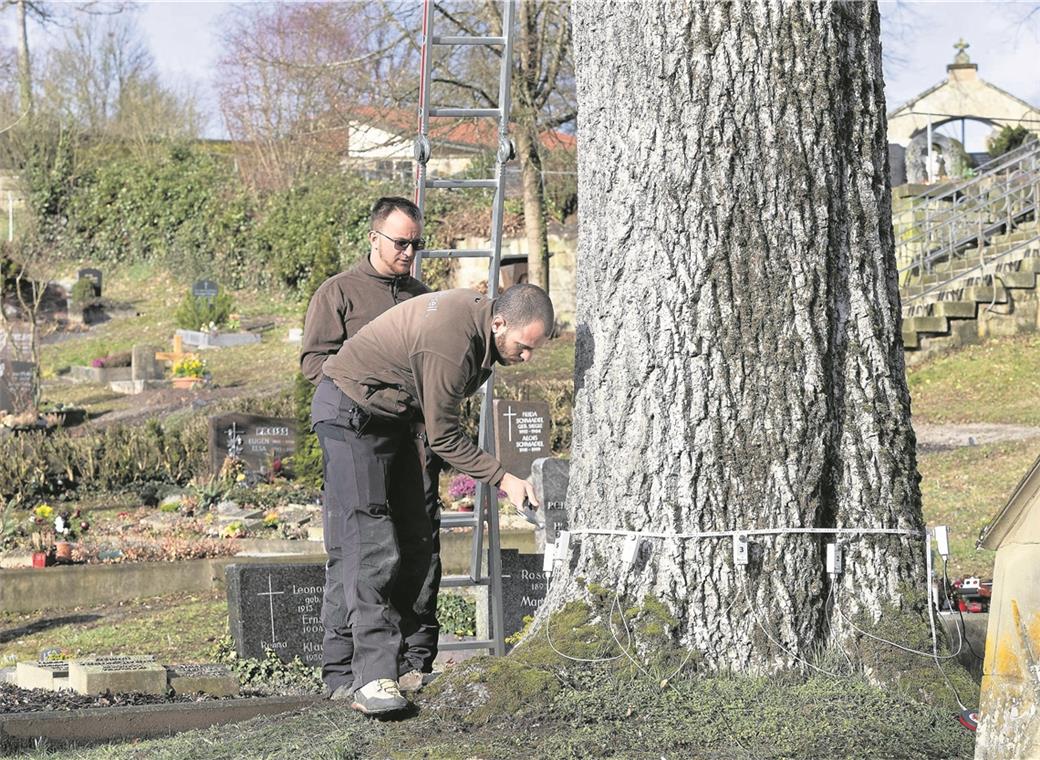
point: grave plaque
(550, 476)
(205, 289)
(117, 674)
(521, 434)
(215, 680)
(524, 586)
(42, 675)
(256, 440)
(276, 607)
(16, 371)
(94, 275)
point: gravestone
(42, 675)
(94, 275)
(205, 289)
(254, 439)
(277, 607)
(16, 371)
(524, 585)
(215, 680)
(550, 477)
(144, 365)
(521, 434)
(117, 674)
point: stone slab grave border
(204, 340)
(103, 724)
(117, 674)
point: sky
(185, 39)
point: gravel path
(943, 437)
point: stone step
(926, 324)
(986, 293)
(1017, 279)
(954, 309)
(910, 340)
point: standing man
(339, 308)
(415, 363)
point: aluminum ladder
(486, 506)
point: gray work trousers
(383, 570)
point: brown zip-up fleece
(345, 303)
(419, 361)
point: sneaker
(410, 681)
(379, 697)
(344, 691)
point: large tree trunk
(739, 356)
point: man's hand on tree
(517, 490)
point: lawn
(175, 628)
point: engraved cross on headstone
(271, 594)
(509, 416)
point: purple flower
(462, 486)
(97, 363)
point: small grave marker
(254, 439)
(17, 371)
(521, 434)
(277, 607)
(94, 275)
(215, 680)
(205, 289)
(550, 477)
(42, 675)
(117, 674)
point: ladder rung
(461, 581)
(464, 112)
(448, 183)
(454, 646)
(458, 520)
(457, 253)
(468, 40)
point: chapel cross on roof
(962, 56)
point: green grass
(155, 294)
(554, 361)
(175, 628)
(998, 382)
(964, 488)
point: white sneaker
(378, 697)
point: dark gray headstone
(521, 434)
(144, 365)
(277, 607)
(94, 275)
(550, 477)
(896, 164)
(205, 289)
(524, 585)
(254, 439)
(16, 385)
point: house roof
(1013, 511)
(471, 134)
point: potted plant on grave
(188, 372)
(54, 533)
(461, 493)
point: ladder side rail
(422, 145)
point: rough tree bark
(739, 360)
(25, 97)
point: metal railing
(952, 224)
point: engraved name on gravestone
(117, 674)
(521, 434)
(550, 477)
(276, 607)
(524, 585)
(94, 275)
(205, 289)
(16, 371)
(256, 440)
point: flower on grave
(270, 519)
(234, 323)
(212, 327)
(46, 511)
(462, 486)
(240, 477)
(189, 366)
(97, 363)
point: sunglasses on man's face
(401, 244)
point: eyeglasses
(401, 244)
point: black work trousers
(381, 522)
